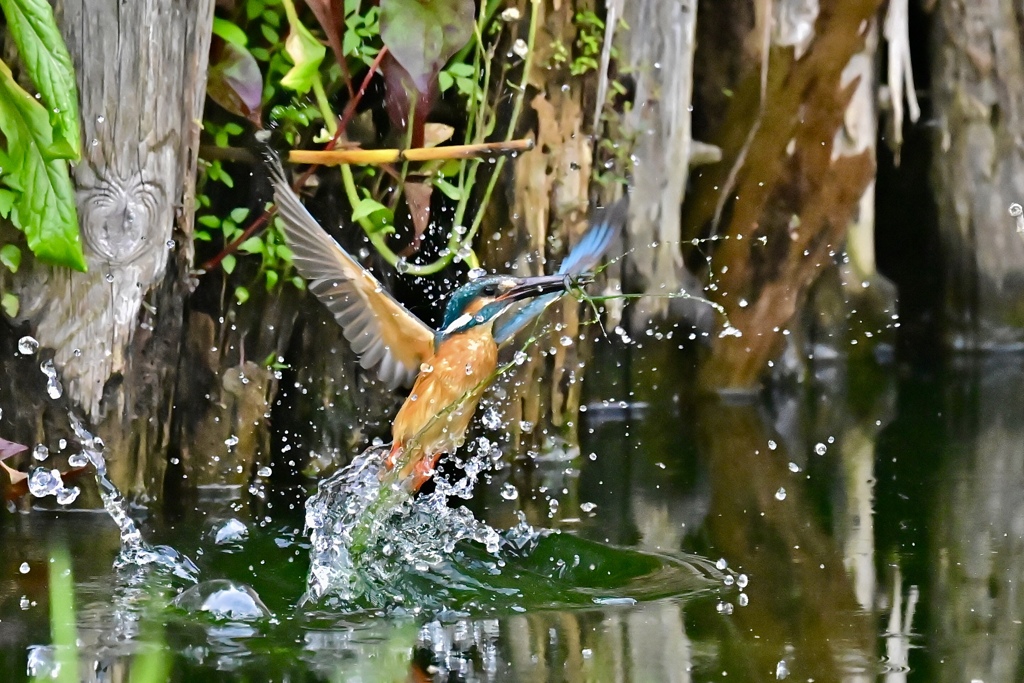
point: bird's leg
(422, 471)
(415, 473)
(392, 459)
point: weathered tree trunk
(780, 202)
(141, 71)
(978, 95)
(658, 51)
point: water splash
(134, 550)
(368, 532)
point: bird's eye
(490, 290)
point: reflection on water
(872, 526)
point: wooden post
(115, 331)
(978, 96)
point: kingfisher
(449, 368)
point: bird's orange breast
(433, 420)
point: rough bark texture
(782, 198)
(141, 71)
(978, 96)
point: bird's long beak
(529, 287)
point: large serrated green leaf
(44, 203)
(46, 58)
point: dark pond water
(874, 519)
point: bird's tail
(605, 229)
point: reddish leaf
(421, 37)
(331, 16)
(417, 196)
(9, 448)
(424, 35)
(235, 81)
(399, 91)
(18, 486)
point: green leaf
(228, 264)
(423, 36)
(307, 53)
(449, 190)
(445, 80)
(462, 69)
(209, 220)
(241, 294)
(286, 254)
(239, 214)
(44, 208)
(7, 199)
(272, 278)
(229, 31)
(10, 303)
(42, 50)
(298, 282)
(253, 245)
(365, 207)
(10, 256)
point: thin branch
(376, 157)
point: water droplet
(730, 580)
(264, 471)
(772, 445)
(67, 496)
(24, 568)
(100, 118)
(27, 346)
(463, 253)
(491, 418)
(743, 600)
(231, 531)
(53, 386)
(566, 340)
(526, 426)
(793, 467)
(40, 452)
(781, 670)
(109, 277)
(520, 48)
(742, 581)
(588, 507)
(519, 358)
(511, 14)
(43, 482)
(426, 368)
(820, 448)
(721, 564)
(402, 266)
(780, 494)
(78, 460)
(509, 492)
(231, 441)
(476, 273)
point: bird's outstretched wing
(383, 332)
(605, 228)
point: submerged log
(779, 204)
(978, 95)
